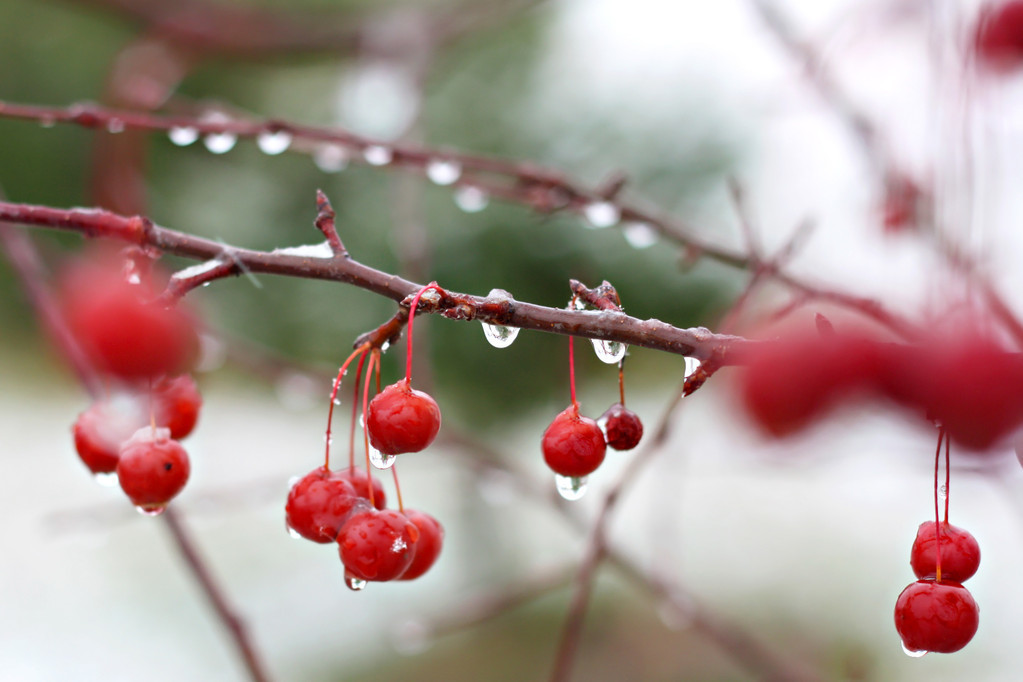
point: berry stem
(355, 414)
(571, 370)
(333, 396)
(373, 358)
(948, 476)
(397, 488)
(411, 317)
(621, 381)
(937, 516)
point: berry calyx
(622, 427)
(176, 403)
(152, 468)
(940, 617)
(319, 504)
(377, 545)
(573, 445)
(100, 430)
(401, 419)
(960, 553)
(361, 480)
(431, 539)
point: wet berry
(999, 37)
(960, 553)
(428, 546)
(573, 445)
(401, 419)
(622, 427)
(377, 545)
(100, 430)
(319, 504)
(938, 617)
(176, 404)
(152, 468)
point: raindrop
(183, 136)
(377, 155)
(471, 199)
(353, 583)
(150, 511)
(602, 214)
(273, 143)
(220, 143)
(410, 638)
(337, 401)
(384, 346)
(115, 125)
(295, 535)
(610, 352)
(692, 364)
(500, 336)
(943, 492)
(331, 158)
(443, 172)
(912, 653)
(380, 460)
(293, 480)
(134, 278)
(640, 235)
(107, 480)
(570, 487)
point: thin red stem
(937, 517)
(621, 381)
(397, 488)
(355, 414)
(411, 318)
(333, 396)
(571, 369)
(948, 476)
(373, 358)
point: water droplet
(331, 158)
(640, 235)
(150, 510)
(293, 480)
(134, 278)
(410, 638)
(353, 583)
(443, 172)
(380, 460)
(183, 136)
(115, 125)
(47, 121)
(570, 487)
(912, 653)
(610, 352)
(384, 346)
(336, 401)
(107, 480)
(500, 336)
(274, 143)
(692, 364)
(295, 535)
(220, 143)
(943, 492)
(471, 199)
(377, 155)
(602, 214)
(328, 441)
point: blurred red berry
(152, 468)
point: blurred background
(802, 544)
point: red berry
(121, 329)
(573, 445)
(960, 553)
(622, 427)
(319, 504)
(401, 419)
(939, 617)
(152, 468)
(361, 480)
(377, 545)
(428, 546)
(999, 38)
(102, 428)
(176, 403)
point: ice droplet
(602, 214)
(610, 352)
(115, 125)
(220, 143)
(107, 480)
(500, 336)
(912, 653)
(380, 460)
(331, 158)
(692, 364)
(570, 487)
(410, 638)
(150, 511)
(640, 235)
(442, 172)
(273, 143)
(183, 136)
(471, 199)
(295, 535)
(943, 492)
(377, 155)
(353, 583)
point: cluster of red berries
(140, 347)
(962, 379)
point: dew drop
(380, 460)
(912, 653)
(107, 480)
(602, 214)
(384, 346)
(353, 583)
(500, 336)
(115, 125)
(443, 172)
(610, 352)
(295, 535)
(943, 492)
(640, 235)
(471, 199)
(570, 487)
(336, 401)
(331, 158)
(293, 480)
(220, 143)
(692, 364)
(377, 155)
(183, 136)
(273, 143)
(150, 511)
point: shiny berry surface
(319, 504)
(573, 445)
(377, 545)
(401, 419)
(152, 468)
(361, 481)
(102, 428)
(938, 617)
(960, 553)
(428, 547)
(176, 403)
(622, 427)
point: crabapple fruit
(377, 545)
(152, 468)
(939, 617)
(573, 445)
(401, 419)
(960, 553)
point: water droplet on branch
(273, 143)
(443, 172)
(331, 158)
(610, 352)
(220, 143)
(640, 235)
(471, 199)
(377, 155)
(602, 214)
(692, 364)
(500, 336)
(115, 125)
(183, 136)
(570, 487)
